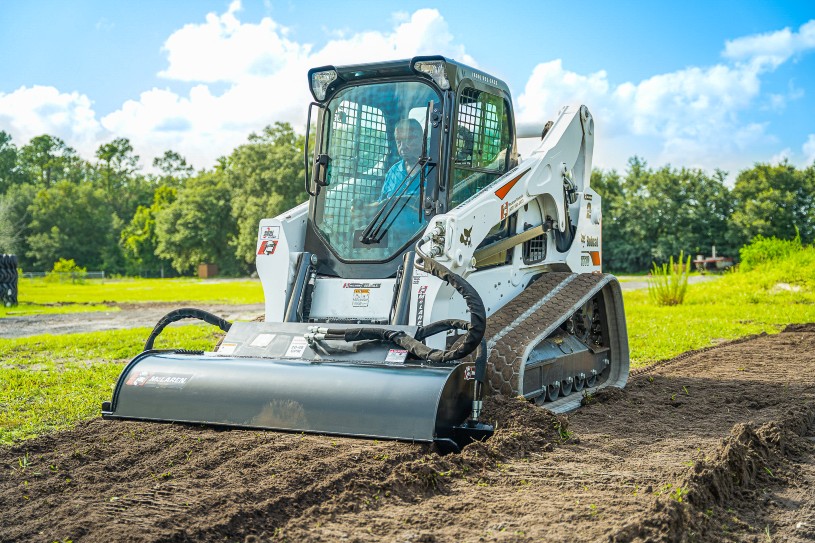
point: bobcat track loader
(418, 277)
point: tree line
(106, 214)
(651, 214)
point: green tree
(125, 190)
(47, 159)
(73, 222)
(772, 200)
(265, 176)
(651, 215)
(173, 167)
(139, 240)
(198, 226)
(14, 220)
(10, 173)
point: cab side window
(481, 148)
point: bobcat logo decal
(465, 237)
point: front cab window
(373, 137)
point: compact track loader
(430, 266)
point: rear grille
(534, 250)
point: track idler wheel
(553, 391)
(579, 382)
(591, 379)
(566, 386)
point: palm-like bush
(668, 283)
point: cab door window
(482, 143)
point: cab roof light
(435, 69)
(320, 82)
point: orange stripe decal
(503, 191)
(595, 257)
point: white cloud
(550, 87)
(105, 25)
(245, 75)
(225, 49)
(809, 150)
(770, 50)
(33, 111)
(693, 117)
(688, 117)
(266, 81)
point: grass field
(39, 297)
(50, 382)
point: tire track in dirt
(612, 471)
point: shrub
(67, 269)
(761, 250)
(668, 283)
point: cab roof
(456, 74)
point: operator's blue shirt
(404, 222)
(394, 178)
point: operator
(408, 135)
(404, 220)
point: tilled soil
(716, 445)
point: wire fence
(65, 276)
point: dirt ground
(716, 445)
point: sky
(706, 85)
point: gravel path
(128, 316)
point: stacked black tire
(8, 280)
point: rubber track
(523, 322)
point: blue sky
(697, 84)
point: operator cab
(397, 143)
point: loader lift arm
(562, 163)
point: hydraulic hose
(463, 346)
(185, 313)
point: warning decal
(297, 347)
(267, 247)
(262, 340)
(362, 296)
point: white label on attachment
(262, 340)
(227, 348)
(297, 347)
(396, 356)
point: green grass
(37, 296)
(48, 383)
(764, 299)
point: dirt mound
(711, 447)
(808, 327)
